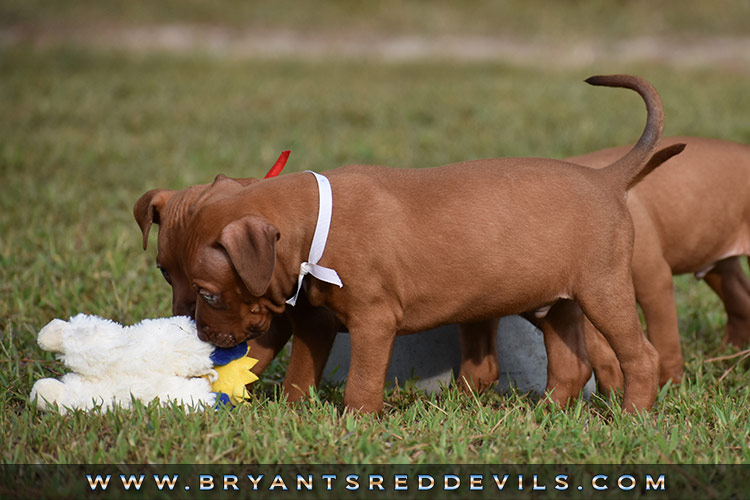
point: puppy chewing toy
(163, 359)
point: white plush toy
(155, 359)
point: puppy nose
(203, 332)
(202, 335)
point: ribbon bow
(279, 165)
(325, 207)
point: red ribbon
(279, 165)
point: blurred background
(567, 33)
(102, 100)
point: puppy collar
(325, 206)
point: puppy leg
(568, 368)
(315, 330)
(729, 282)
(479, 365)
(611, 307)
(603, 360)
(266, 347)
(654, 288)
(371, 347)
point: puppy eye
(165, 274)
(210, 298)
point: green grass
(83, 135)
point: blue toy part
(222, 399)
(225, 355)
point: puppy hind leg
(612, 310)
(730, 283)
(603, 360)
(744, 281)
(655, 293)
(568, 368)
(479, 365)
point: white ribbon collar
(325, 207)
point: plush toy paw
(48, 392)
(50, 338)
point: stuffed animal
(155, 359)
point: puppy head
(171, 210)
(231, 273)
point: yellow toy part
(234, 377)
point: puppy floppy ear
(146, 210)
(250, 243)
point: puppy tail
(630, 168)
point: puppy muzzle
(226, 339)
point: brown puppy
(418, 248)
(691, 216)
(314, 328)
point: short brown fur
(461, 243)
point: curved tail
(632, 167)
